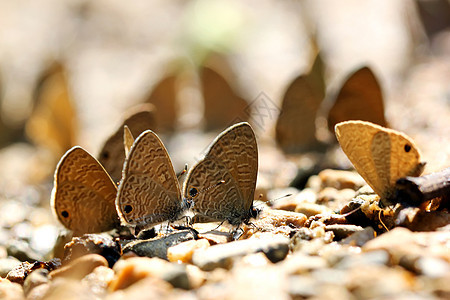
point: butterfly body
(149, 192)
(231, 160)
(380, 155)
(83, 194)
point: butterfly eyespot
(407, 148)
(65, 214)
(127, 208)
(193, 192)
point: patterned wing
(149, 192)
(83, 194)
(233, 158)
(112, 155)
(380, 155)
(360, 98)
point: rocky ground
(328, 239)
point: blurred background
(71, 69)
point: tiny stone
(335, 198)
(433, 267)
(38, 292)
(359, 238)
(98, 280)
(158, 247)
(379, 257)
(22, 251)
(299, 263)
(314, 184)
(131, 270)
(80, 267)
(7, 264)
(196, 276)
(10, 290)
(312, 209)
(222, 255)
(341, 179)
(342, 231)
(329, 276)
(35, 279)
(183, 252)
(101, 244)
(301, 287)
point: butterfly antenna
(381, 221)
(273, 200)
(182, 172)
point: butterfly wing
(295, 130)
(222, 104)
(380, 155)
(232, 157)
(360, 98)
(112, 155)
(149, 192)
(83, 194)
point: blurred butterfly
(164, 97)
(83, 194)
(222, 102)
(149, 192)
(359, 98)
(296, 124)
(380, 155)
(112, 154)
(232, 160)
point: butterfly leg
(237, 233)
(221, 223)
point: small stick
(414, 191)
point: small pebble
(359, 238)
(401, 241)
(299, 263)
(98, 280)
(275, 248)
(183, 252)
(10, 290)
(35, 279)
(7, 264)
(312, 209)
(302, 287)
(341, 179)
(101, 244)
(379, 257)
(342, 231)
(22, 251)
(80, 267)
(20, 272)
(158, 247)
(131, 270)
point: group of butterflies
(219, 187)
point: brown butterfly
(359, 98)
(222, 103)
(149, 192)
(296, 124)
(112, 154)
(232, 161)
(380, 155)
(83, 194)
